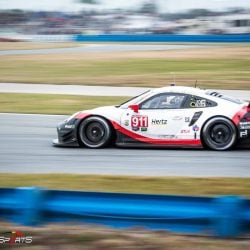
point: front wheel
(94, 132)
(219, 133)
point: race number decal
(198, 103)
(139, 121)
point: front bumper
(67, 134)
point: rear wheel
(219, 133)
(95, 132)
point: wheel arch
(100, 116)
(210, 118)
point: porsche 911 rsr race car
(164, 117)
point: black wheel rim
(95, 132)
(220, 134)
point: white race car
(164, 117)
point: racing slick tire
(219, 133)
(94, 132)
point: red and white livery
(164, 117)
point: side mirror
(134, 107)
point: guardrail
(226, 38)
(230, 38)
(227, 216)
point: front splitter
(56, 143)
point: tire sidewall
(83, 139)
(212, 144)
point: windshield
(135, 100)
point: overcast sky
(165, 5)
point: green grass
(155, 185)
(126, 67)
(212, 73)
(53, 104)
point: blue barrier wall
(241, 38)
(219, 216)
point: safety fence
(232, 38)
(227, 216)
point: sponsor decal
(15, 238)
(69, 126)
(135, 128)
(243, 133)
(168, 136)
(177, 118)
(126, 122)
(159, 122)
(138, 121)
(144, 129)
(244, 125)
(196, 128)
(197, 103)
(185, 131)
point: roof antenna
(195, 85)
(173, 83)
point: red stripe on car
(141, 138)
(239, 115)
(81, 115)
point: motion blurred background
(59, 24)
(111, 17)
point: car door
(159, 117)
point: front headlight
(71, 117)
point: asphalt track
(26, 148)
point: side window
(199, 102)
(164, 101)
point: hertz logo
(159, 122)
